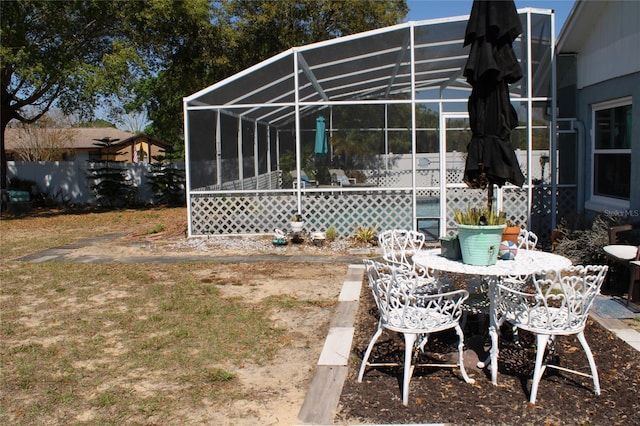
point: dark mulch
(442, 396)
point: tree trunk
(3, 164)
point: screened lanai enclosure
(366, 130)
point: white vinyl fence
(66, 181)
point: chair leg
(493, 353)
(409, 341)
(634, 275)
(541, 341)
(365, 358)
(461, 355)
(592, 363)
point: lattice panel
(541, 209)
(261, 214)
(514, 203)
(241, 214)
(348, 211)
(244, 214)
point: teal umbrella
(321, 137)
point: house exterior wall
(611, 47)
(598, 69)
(147, 152)
(612, 89)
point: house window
(612, 150)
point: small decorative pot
(297, 226)
(511, 233)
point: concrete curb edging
(323, 396)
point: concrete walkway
(61, 254)
(323, 395)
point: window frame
(602, 200)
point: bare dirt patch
(87, 317)
(43, 316)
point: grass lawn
(129, 343)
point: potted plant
(297, 223)
(511, 232)
(480, 233)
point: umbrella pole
(490, 196)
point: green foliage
(156, 229)
(110, 181)
(218, 375)
(366, 234)
(479, 216)
(72, 53)
(167, 182)
(331, 233)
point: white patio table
(527, 262)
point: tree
(48, 139)
(167, 181)
(243, 33)
(75, 55)
(109, 180)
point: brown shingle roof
(83, 138)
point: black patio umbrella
(492, 65)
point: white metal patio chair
(399, 246)
(527, 240)
(414, 314)
(557, 304)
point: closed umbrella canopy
(491, 66)
(321, 137)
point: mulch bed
(441, 395)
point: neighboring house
(598, 80)
(83, 144)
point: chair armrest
(614, 230)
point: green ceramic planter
(480, 244)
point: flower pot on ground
(297, 223)
(480, 233)
(297, 226)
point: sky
(430, 9)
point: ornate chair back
(405, 307)
(527, 240)
(556, 303)
(559, 301)
(398, 245)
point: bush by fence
(65, 182)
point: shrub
(331, 233)
(366, 234)
(584, 246)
